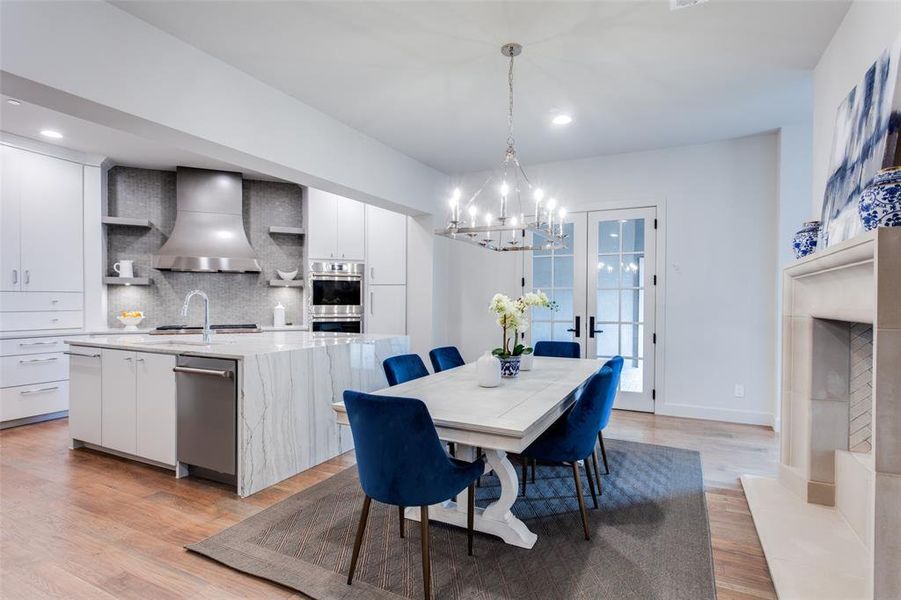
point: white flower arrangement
(512, 316)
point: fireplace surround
(841, 423)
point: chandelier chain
(510, 141)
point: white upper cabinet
(41, 223)
(321, 224)
(334, 227)
(11, 275)
(386, 247)
(351, 231)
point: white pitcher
(488, 368)
(125, 268)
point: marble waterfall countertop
(226, 345)
(287, 383)
(71, 333)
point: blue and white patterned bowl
(880, 202)
(510, 367)
(805, 241)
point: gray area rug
(649, 539)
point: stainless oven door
(336, 296)
(336, 289)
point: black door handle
(576, 329)
(591, 329)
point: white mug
(125, 268)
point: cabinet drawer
(34, 301)
(31, 346)
(33, 368)
(32, 400)
(38, 320)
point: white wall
(795, 165)
(420, 284)
(99, 63)
(721, 212)
(867, 30)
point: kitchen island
(123, 397)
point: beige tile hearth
(812, 552)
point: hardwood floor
(81, 524)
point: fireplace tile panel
(860, 431)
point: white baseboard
(729, 415)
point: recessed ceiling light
(51, 134)
(562, 120)
(13, 101)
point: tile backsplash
(234, 298)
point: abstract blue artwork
(865, 140)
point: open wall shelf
(125, 221)
(298, 283)
(127, 280)
(287, 230)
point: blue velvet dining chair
(615, 363)
(401, 462)
(403, 368)
(572, 437)
(447, 357)
(558, 349)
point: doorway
(604, 284)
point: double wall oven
(336, 298)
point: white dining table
(498, 420)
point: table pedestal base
(496, 518)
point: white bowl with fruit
(131, 319)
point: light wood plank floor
(80, 524)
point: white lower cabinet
(22, 402)
(155, 407)
(85, 395)
(33, 380)
(387, 310)
(137, 413)
(33, 368)
(119, 401)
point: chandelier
(507, 207)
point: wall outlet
(739, 390)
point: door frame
(659, 291)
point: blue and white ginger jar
(880, 202)
(805, 241)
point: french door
(603, 283)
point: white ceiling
(428, 79)
(28, 120)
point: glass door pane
(620, 299)
(560, 275)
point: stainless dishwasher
(207, 391)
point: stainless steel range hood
(208, 236)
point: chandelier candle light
(508, 231)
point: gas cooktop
(186, 329)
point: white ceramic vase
(525, 362)
(488, 368)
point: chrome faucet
(207, 332)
